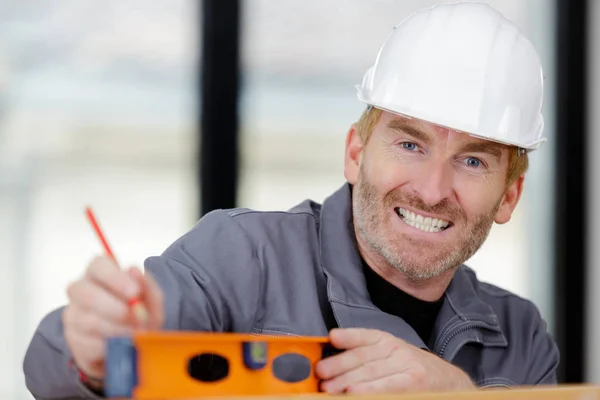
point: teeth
(426, 224)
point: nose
(434, 182)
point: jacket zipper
(457, 331)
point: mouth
(422, 223)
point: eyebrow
(410, 130)
(493, 149)
(489, 148)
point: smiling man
(440, 154)
(425, 197)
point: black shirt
(419, 314)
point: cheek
(387, 174)
(477, 197)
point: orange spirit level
(155, 365)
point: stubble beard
(416, 259)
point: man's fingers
(369, 371)
(97, 300)
(151, 297)
(92, 324)
(350, 360)
(387, 384)
(107, 274)
(350, 338)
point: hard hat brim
(529, 147)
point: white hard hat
(463, 66)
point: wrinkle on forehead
(440, 129)
(450, 134)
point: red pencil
(136, 305)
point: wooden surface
(540, 393)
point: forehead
(432, 130)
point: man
(453, 107)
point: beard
(417, 260)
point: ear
(352, 156)
(509, 201)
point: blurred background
(155, 112)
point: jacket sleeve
(211, 281)
(544, 355)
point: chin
(419, 265)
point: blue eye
(409, 146)
(473, 162)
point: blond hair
(517, 163)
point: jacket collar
(347, 290)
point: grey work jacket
(299, 273)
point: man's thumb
(151, 298)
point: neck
(424, 289)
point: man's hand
(377, 362)
(98, 309)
